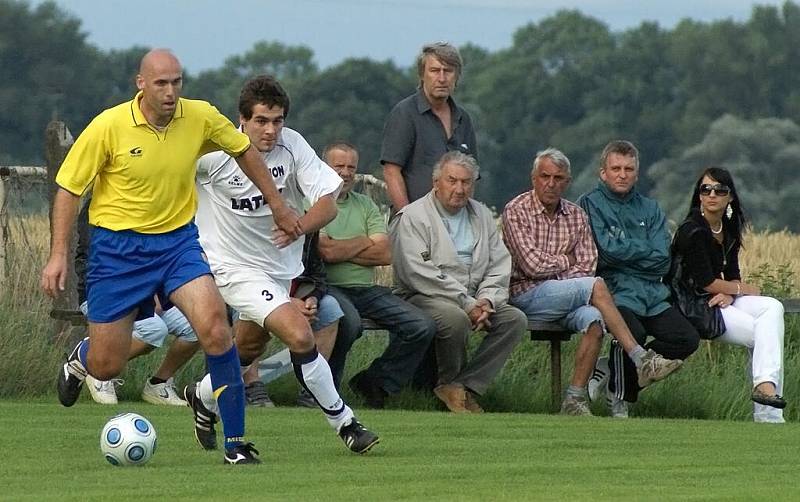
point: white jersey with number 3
(234, 220)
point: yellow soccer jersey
(144, 178)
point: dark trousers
(410, 333)
(672, 336)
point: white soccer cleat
(162, 393)
(103, 391)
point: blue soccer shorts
(127, 268)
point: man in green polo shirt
(353, 245)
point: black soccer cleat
(245, 453)
(357, 437)
(70, 378)
(204, 419)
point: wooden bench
(279, 363)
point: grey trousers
(453, 329)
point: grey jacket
(425, 260)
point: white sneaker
(162, 393)
(103, 392)
(618, 407)
(599, 380)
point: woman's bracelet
(738, 289)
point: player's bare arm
(317, 216)
(65, 210)
(285, 218)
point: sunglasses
(719, 189)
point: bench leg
(555, 375)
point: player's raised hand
(54, 275)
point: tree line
(723, 92)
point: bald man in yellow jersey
(140, 158)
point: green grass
(50, 452)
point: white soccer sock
(205, 391)
(313, 372)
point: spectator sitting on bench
(353, 245)
(630, 232)
(708, 244)
(450, 261)
(554, 259)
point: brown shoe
(471, 404)
(453, 395)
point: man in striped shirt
(552, 279)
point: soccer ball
(128, 439)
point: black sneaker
(357, 437)
(204, 419)
(256, 395)
(70, 378)
(369, 390)
(306, 400)
(245, 453)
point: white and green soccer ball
(128, 439)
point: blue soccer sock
(83, 350)
(226, 379)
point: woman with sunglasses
(709, 241)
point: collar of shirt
(613, 195)
(138, 118)
(538, 208)
(424, 106)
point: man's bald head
(156, 59)
(160, 79)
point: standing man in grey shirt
(424, 126)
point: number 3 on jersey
(267, 295)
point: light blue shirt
(460, 230)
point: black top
(415, 139)
(704, 258)
(313, 280)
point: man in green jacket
(632, 239)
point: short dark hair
(262, 90)
(620, 147)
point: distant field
(52, 453)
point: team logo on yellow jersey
(136, 151)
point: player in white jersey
(253, 269)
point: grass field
(422, 456)
(52, 453)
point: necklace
(717, 231)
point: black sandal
(774, 400)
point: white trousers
(756, 322)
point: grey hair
(556, 156)
(444, 52)
(458, 158)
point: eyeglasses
(719, 189)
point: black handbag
(693, 301)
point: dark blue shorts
(127, 268)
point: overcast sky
(203, 33)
